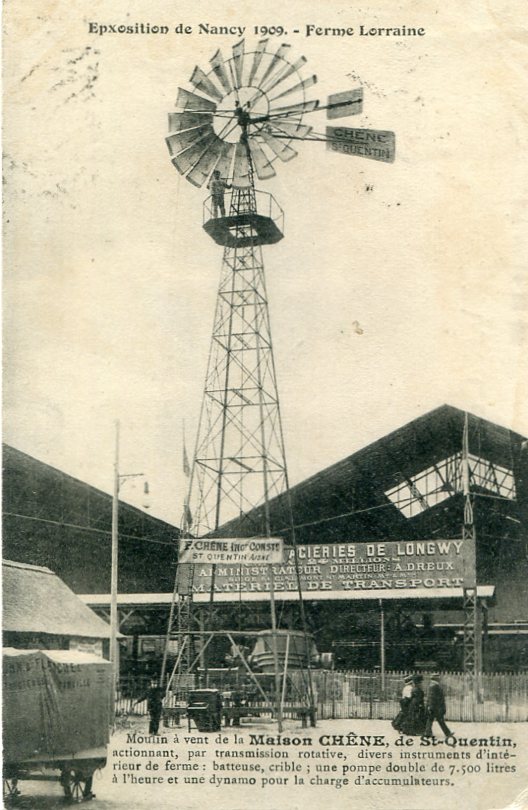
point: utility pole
(114, 615)
(114, 621)
(382, 646)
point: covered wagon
(57, 711)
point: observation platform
(263, 226)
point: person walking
(415, 718)
(399, 721)
(435, 707)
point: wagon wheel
(10, 790)
(77, 786)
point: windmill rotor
(236, 110)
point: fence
(503, 697)
(131, 697)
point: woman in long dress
(415, 715)
(399, 721)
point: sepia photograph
(265, 405)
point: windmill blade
(218, 65)
(201, 170)
(282, 150)
(188, 159)
(257, 58)
(204, 83)
(275, 80)
(225, 160)
(241, 167)
(179, 141)
(188, 120)
(263, 165)
(290, 128)
(309, 82)
(196, 103)
(294, 109)
(238, 61)
(276, 60)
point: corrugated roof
(35, 600)
(356, 486)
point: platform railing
(266, 206)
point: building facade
(406, 488)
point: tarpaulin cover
(55, 703)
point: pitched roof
(17, 462)
(349, 499)
(35, 600)
(52, 519)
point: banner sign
(232, 550)
(410, 566)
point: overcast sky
(385, 303)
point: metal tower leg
(472, 614)
(472, 631)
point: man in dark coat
(154, 706)
(416, 710)
(436, 707)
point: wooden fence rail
(503, 697)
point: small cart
(74, 774)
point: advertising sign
(345, 570)
(369, 143)
(232, 550)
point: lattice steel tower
(239, 459)
(240, 119)
(236, 123)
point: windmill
(239, 122)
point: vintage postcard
(265, 460)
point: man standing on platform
(435, 707)
(217, 187)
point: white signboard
(262, 550)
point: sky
(397, 288)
